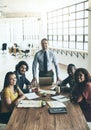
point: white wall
(67, 59)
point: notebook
(60, 110)
(44, 81)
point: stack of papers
(31, 95)
(60, 98)
(29, 103)
(55, 104)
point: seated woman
(82, 91)
(69, 80)
(10, 97)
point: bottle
(58, 89)
(43, 103)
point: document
(29, 103)
(63, 99)
(47, 91)
(55, 104)
(31, 95)
(53, 87)
(60, 98)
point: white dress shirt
(39, 58)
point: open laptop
(44, 81)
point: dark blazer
(69, 80)
(21, 81)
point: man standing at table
(44, 58)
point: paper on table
(63, 99)
(58, 97)
(47, 91)
(29, 103)
(55, 104)
(31, 95)
(53, 87)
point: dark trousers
(47, 74)
(4, 117)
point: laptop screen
(45, 81)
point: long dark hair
(79, 87)
(17, 67)
(85, 72)
(6, 80)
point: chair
(26, 52)
(4, 47)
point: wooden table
(40, 119)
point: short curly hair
(17, 67)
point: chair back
(4, 46)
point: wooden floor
(8, 62)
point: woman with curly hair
(82, 91)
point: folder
(60, 110)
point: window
(68, 26)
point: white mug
(58, 89)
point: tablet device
(44, 81)
(60, 110)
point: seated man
(20, 70)
(69, 80)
